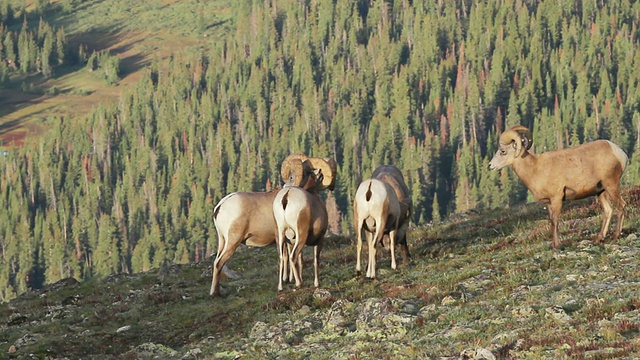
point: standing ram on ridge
(382, 208)
(301, 218)
(247, 217)
(590, 169)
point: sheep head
(298, 169)
(293, 169)
(514, 143)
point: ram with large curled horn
(301, 219)
(247, 217)
(590, 169)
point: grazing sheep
(247, 217)
(590, 169)
(301, 219)
(382, 207)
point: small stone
(479, 354)
(305, 309)
(558, 313)
(123, 329)
(448, 300)
(572, 277)
(12, 349)
(321, 294)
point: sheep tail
(620, 154)
(285, 200)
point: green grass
(482, 280)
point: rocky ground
(480, 286)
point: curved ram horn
(521, 135)
(328, 168)
(291, 169)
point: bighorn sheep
(590, 169)
(301, 219)
(382, 207)
(247, 217)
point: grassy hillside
(136, 32)
(480, 285)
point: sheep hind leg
(401, 239)
(287, 275)
(283, 258)
(358, 249)
(218, 264)
(622, 212)
(406, 256)
(554, 208)
(371, 264)
(295, 261)
(607, 213)
(392, 245)
(316, 260)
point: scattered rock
(410, 309)
(427, 311)
(17, 319)
(27, 339)
(230, 273)
(624, 252)
(150, 351)
(504, 339)
(558, 314)
(12, 349)
(373, 312)
(322, 294)
(60, 284)
(123, 329)
(305, 309)
(71, 300)
(193, 354)
(474, 285)
(480, 354)
(602, 353)
(458, 331)
(573, 277)
(632, 316)
(522, 313)
(448, 300)
(339, 315)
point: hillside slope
(480, 285)
(138, 33)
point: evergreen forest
(425, 85)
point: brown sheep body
(382, 208)
(590, 169)
(301, 219)
(247, 217)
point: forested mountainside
(427, 86)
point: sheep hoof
(218, 293)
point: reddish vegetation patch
(15, 138)
(421, 290)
